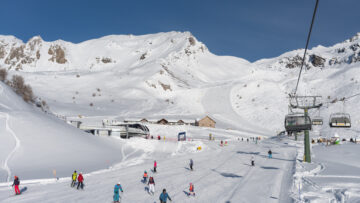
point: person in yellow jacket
(74, 178)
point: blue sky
(250, 29)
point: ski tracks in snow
(17, 145)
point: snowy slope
(174, 75)
(34, 144)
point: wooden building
(206, 122)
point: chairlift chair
(317, 121)
(297, 122)
(340, 120)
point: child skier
(191, 164)
(164, 196)
(80, 181)
(252, 161)
(270, 153)
(145, 176)
(16, 184)
(155, 166)
(74, 177)
(151, 185)
(191, 190)
(116, 192)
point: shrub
(91, 104)
(25, 91)
(3, 74)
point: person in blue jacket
(116, 192)
(164, 196)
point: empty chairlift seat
(317, 121)
(340, 120)
(297, 122)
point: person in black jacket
(16, 184)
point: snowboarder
(270, 153)
(145, 176)
(252, 160)
(80, 181)
(191, 164)
(164, 196)
(74, 177)
(16, 184)
(116, 192)
(191, 190)
(155, 166)
(151, 185)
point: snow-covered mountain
(174, 75)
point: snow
(177, 78)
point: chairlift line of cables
(306, 47)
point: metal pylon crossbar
(305, 102)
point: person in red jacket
(80, 180)
(155, 166)
(191, 190)
(16, 184)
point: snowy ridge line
(17, 145)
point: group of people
(253, 158)
(79, 178)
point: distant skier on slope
(74, 177)
(191, 164)
(145, 176)
(155, 166)
(16, 184)
(164, 196)
(270, 153)
(116, 196)
(252, 160)
(151, 185)
(80, 181)
(191, 190)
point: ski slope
(222, 174)
(35, 144)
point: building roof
(208, 118)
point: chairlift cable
(307, 43)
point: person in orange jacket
(145, 176)
(191, 189)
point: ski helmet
(118, 183)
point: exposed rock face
(57, 54)
(317, 61)
(106, 60)
(2, 52)
(165, 87)
(293, 62)
(354, 47)
(192, 41)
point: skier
(145, 176)
(151, 185)
(191, 164)
(116, 192)
(191, 190)
(252, 160)
(16, 184)
(80, 181)
(74, 177)
(164, 196)
(270, 153)
(155, 166)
